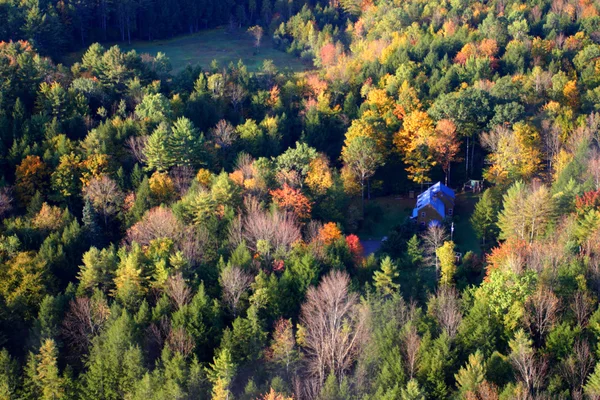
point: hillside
(183, 207)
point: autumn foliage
(292, 200)
(355, 247)
(329, 233)
(31, 176)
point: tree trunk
(467, 159)
(362, 195)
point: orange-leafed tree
(292, 200)
(509, 254)
(329, 233)
(32, 176)
(445, 145)
(273, 395)
(488, 47)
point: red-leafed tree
(355, 247)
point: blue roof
(429, 197)
(438, 187)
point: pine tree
(511, 220)
(97, 270)
(414, 252)
(485, 217)
(142, 202)
(472, 375)
(186, 143)
(592, 387)
(221, 373)
(137, 176)
(129, 277)
(114, 362)
(331, 389)
(9, 378)
(384, 278)
(35, 204)
(159, 150)
(412, 391)
(90, 224)
(48, 378)
(46, 326)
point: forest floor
(215, 44)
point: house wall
(448, 203)
(430, 215)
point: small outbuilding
(434, 204)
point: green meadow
(216, 44)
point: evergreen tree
(471, 375)
(414, 252)
(221, 373)
(137, 176)
(43, 380)
(129, 277)
(98, 270)
(412, 391)
(384, 278)
(158, 150)
(186, 143)
(90, 224)
(9, 378)
(592, 386)
(114, 362)
(485, 217)
(47, 324)
(35, 204)
(142, 203)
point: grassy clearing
(216, 44)
(464, 235)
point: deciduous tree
(445, 145)
(334, 327)
(363, 159)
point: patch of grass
(215, 44)
(464, 235)
(383, 214)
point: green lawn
(464, 236)
(205, 46)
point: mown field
(216, 44)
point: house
(434, 204)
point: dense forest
(195, 235)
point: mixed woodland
(196, 235)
